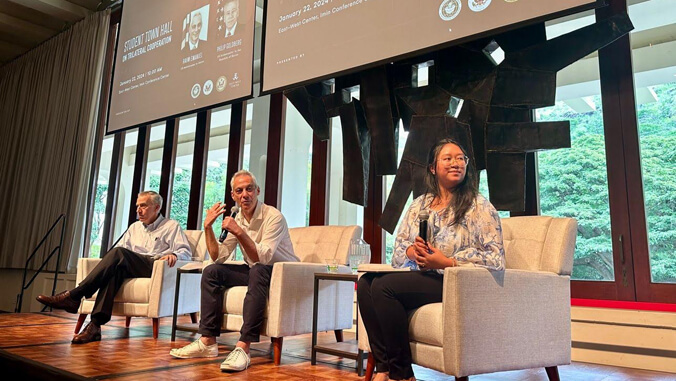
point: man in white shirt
(151, 238)
(263, 235)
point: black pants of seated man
(384, 302)
(216, 279)
(107, 277)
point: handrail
(24, 286)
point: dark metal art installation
(484, 104)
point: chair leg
(127, 321)
(193, 317)
(80, 321)
(156, 327)
(370, 367)
(277, 349)
(552, 373)
(339, 335)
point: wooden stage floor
(37, 346)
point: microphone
(422, 224)
(224, 233)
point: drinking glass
(331, 265)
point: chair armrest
(163, 288)
(84, 267)
(527, 312)
(291, 297)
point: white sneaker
(194, 350)
(236, 361)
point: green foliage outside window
(573, 183)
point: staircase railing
(24, 286)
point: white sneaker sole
(231, 369)
(191, 357)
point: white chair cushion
(425, 326)
(316, 243)
(233, 300)
(523, 239)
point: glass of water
(359, 253)
(332, 265)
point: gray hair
(154, 196)
(242, 172)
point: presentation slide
(174, 56)
(308, 39)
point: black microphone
(224, 233)
(422, 227)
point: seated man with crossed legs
(151, 238)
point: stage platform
(37, 346)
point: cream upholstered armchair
(498, 321)
(289, 309)
(150, 297)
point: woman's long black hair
(464, 193)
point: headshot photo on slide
(195, 29)
(228, 16)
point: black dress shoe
(91, 332)
(61, 301)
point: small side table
(342, 349)
(175, 327)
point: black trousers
(385, 301)
(107, 277)
(216, 279)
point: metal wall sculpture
(495, 120)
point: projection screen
(175, 56)
(308, 39)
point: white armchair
(499, 321)
(150, 297)
(289, 309)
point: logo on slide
(195, 92)
(208, 87)
(220, 83)
(449, 9)
(478, 5)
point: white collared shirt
(231, 31)
(270, 233)
(164, 236)
(193, 46)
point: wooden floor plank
(132, 354)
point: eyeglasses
(460, 160)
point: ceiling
(25, 24)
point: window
(573, 182)
(155, 151)
(296, 169)
(256, 148)
(180, 193)
(341, 212)
(125, 196)
(246, 157)
(654, 67)
(100, 198)
(389, 180)
(217, 160)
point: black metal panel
(356, 149)
(527, 137)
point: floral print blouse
(475, 241)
